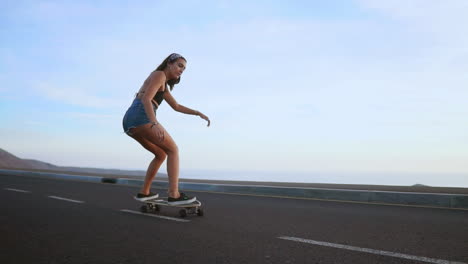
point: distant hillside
(10, 161)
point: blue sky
(309, 86)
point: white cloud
(50, 10)
(92, 116)
(444, 20)
(70, 94)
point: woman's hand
(159, 130)
(200, 114)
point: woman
(140, 123)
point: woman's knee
(160, 155)
(172, 149)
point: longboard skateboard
(154, 206)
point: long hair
(171, 58)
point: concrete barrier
(456, 201)
(61, 176)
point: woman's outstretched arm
(183, 109)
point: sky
(344, 86)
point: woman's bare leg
(155, 164)
(146, 135)
(150, 174)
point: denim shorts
(135, 116)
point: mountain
(10, 161)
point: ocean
(366, 178)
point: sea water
(365, 178)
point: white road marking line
(16, 190)
(65, 199)
(157, 216)
(371, 251)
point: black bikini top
(158, 98)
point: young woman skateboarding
(141, 124)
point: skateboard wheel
(200, 212)
(144, 209)
(156, 208)
(183, 213)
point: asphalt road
(58, 221)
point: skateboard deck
(154, 206)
